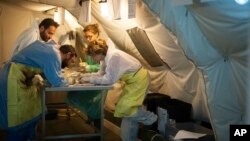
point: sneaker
(151, 118)
(143, 116)
(162, 120)
(148, 118)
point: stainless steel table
(74, 88)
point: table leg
(43, 115)
(103, 93)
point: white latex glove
(86, 75)
(70, 80)
(87, 68)
(84, 79)
(38, 80)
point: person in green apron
(118, 65)
(88, 101)
(20, 99)
(91, 33)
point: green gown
(87, 102)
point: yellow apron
(24, 100)
(133, 93)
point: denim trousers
(130, 125)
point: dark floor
(62, 125)
(3, 135)
(76, 124)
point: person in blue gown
(20, 99)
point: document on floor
(183, 134)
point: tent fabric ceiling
(34, 6)
(228, 21)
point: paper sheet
(183, 134)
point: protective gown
(27, 37)
(87, 101)
(20, 99)
(120, 65)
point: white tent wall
(211, 35)
(208, 53)
(184, 81)
(14, 20)
(222, 65)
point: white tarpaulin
(215, 36)
(205, 44)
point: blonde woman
(118, 65)
(88, 103)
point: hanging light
(59, 15)
(128, 9)
(56, 15)
(114, 9)
(241, 2)
(124, 9)
(85, 12)
(104, 8)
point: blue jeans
(130, 125)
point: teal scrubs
(88, 102)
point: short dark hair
(46, 23)
(68, 48)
